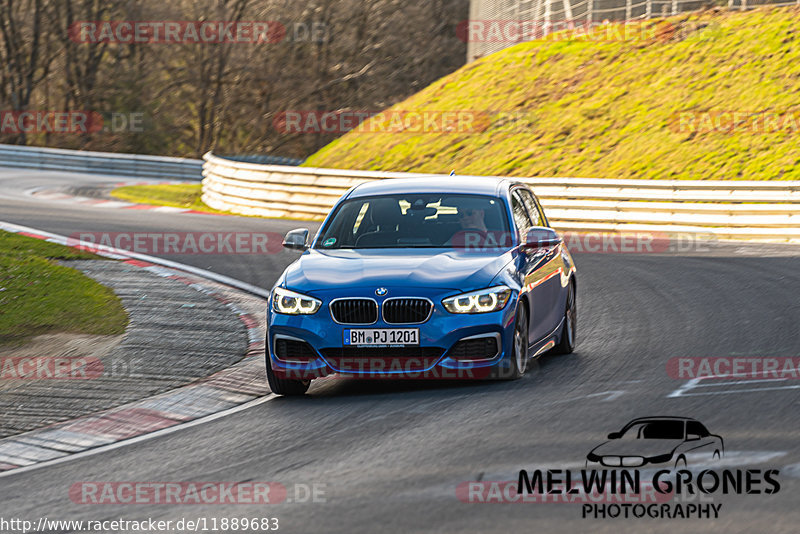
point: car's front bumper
(432, 359)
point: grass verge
(38, 295)
(612, 108)
(174, 195)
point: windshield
(655, 430)
(418, 221)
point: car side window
(521, 218)
(533, 209)
(695, 427)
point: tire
(519, 356)
(567, 343)
(285, 386)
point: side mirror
(540, 237)
(615, 435)
(296, 239)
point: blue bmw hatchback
(422, 278)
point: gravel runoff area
(178, 334)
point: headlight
(482, 301)
(291, 303)
(660, 459)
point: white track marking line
(170, 209)
(695, 383)
(734, 391)
(102, 250)
(117, 253)
(138, 439)
(732, 382)
(688, 386)
(113, 204)
(607, 396)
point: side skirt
(547, 342)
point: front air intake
(295, 350)
(480, 348)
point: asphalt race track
(389, 456)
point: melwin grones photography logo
(661, 467)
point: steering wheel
(465, 238)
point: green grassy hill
(613, 109)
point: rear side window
(521, 218)
(662, 430)
(695, 427)
(533, 208)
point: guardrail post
(627, 10)
(568, 12)
(648, 14)
(590, 13)
(674, 7)
(547, 14)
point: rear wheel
(285, 386)
(567, 343)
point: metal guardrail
(727, 209)
(265, 159)
(109, 163)
(546, 16)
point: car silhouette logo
(381, 291)
(657, 440)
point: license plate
(371, 337)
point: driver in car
(471, 218)
(473, 231)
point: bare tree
(26, 52)
(335, 55)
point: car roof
(477, 185)
(661, 418)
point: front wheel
(567, 343)
(519, 359)
(285, 386)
